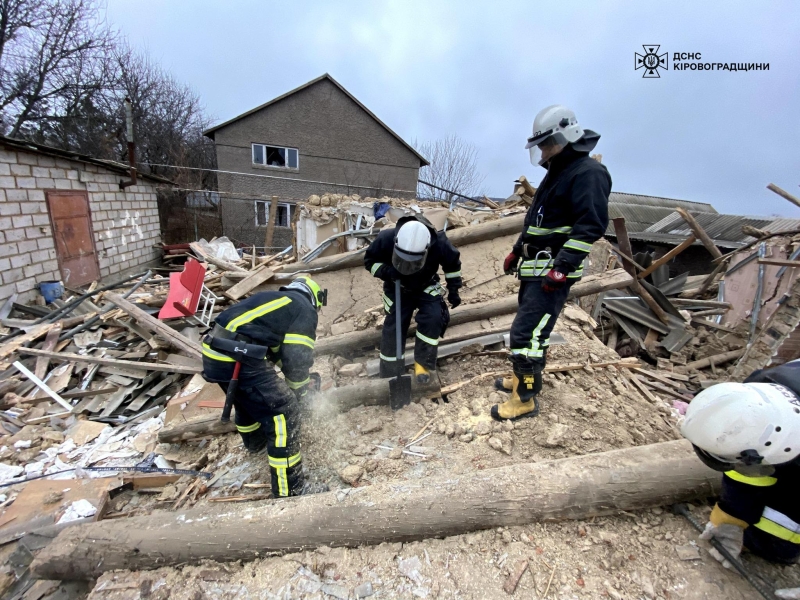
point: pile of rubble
(104, 398)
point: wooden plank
(88, 393)
(659, 377)
(783, 194)
(222, 264)
(668, 256)
(707, 323)
(152, 324)
(50, 341)
(12, 345)
(778, 262)
(643, 389)
(664, 389)
(699, 232)
(250, 282)
(101, 360)
(30, 511)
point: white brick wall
(125, 223)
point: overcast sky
(482, 70)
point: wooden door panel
(74, 238)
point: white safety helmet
(749, 427)
(554, 125)
(411, 244)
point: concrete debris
(351, 474)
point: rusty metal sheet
(73, 236)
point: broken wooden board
(253, 280)
(13, 345)
(30, 510)
(113, 362)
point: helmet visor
(408, 263)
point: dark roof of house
(111, 165)
(210, 132)
(725, 230)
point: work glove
(554, 281)
(510, 263)
(453, 298)
(388, 273)
(730, 536)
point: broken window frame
(280, 222)
(287, 153)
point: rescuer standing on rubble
(266, 330)
(751, 432)
(412, 252)
(569, 212)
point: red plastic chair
(186, 289)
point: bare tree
(453, 167)
(52, 53)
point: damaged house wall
(337, 140)
(63, 217)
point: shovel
(400, 385)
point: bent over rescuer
(266, 330)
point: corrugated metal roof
(725, 230)
(637, 217)
(671, 203)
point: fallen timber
(578, 487)
(593, 284)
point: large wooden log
(459, 237)
(370, 392)
(579, 487)
(593, 284)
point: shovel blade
(399, 391)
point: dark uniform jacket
(568, 214)
(285, 322)
(378, 261)
(769, 506)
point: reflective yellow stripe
(295, 385)
(248, 428)
(375, 267)
(280, 431)
(433, 290)
(389, 358)
(578, 245)
(282, 463)
(213, 354)
(756, 481)
(259, 311)
(427, 340)
(452, 275)
(543, 231)
(296, 338)
(535, 350)
(274, 348)
(779, 531)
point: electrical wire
(189, 472)
(347, 185)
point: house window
(283, 216)
(275, 156)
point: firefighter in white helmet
(568, 214)
(751, 432)
(413, 253)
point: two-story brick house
(315, 139)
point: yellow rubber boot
(421, 374)
(504, 384)
(515, 407)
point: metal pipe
(131, 146)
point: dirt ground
(647, 554)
